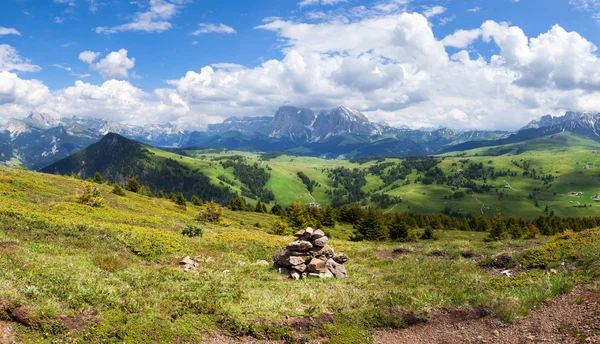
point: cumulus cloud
(88, 56)
(9, 31)
(434, 11)
(154, 19)
(212, 28)
(461, 38)
(11, 61)
(386, 63)
(115, 65)
(319, 2)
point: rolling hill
(555, 174)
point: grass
(111, 274)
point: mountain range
(40, 140)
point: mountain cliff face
(245, 125)
(40, 139)
(293, 123)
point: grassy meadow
(71, 273)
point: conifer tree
(98, 178)
(133, 185)
(118, 190)
(298, 216)
(180, 200)
(196, 200)
(371, 227)
(237, 204)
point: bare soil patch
(392, 254)
(570, 318)
(6, 333)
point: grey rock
(309, 230)
(341, 258)
(338, 270)
(301, 267)
(278, 255)
(295, 275)
(300, 233)
(325, 251)
(317, 266)
(321, 241)
(300, 246)
(210, 260)
(317, 234)
(186, 261)
(296, 260)
(261, 263)
(284, 271)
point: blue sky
(154, 51)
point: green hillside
(71, 272)
(556, 174)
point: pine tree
(498, 227)
(98, 178)
(237, 204)
(298, 216)
(329, 216)
(371, 226)
(118, 190)
(133, 185)
(259, 208)
(398, 227)
(180, 200)
(160, 194)
(196, 200)
(277, 210)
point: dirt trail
(6, 333)
(570, 318)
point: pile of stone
(310, 256)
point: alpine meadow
(308, 171)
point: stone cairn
(310, 256)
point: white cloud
(388, 64)
(88, 56)
(68, 69)
(434, 11)
(461, 38)
(154, 19)
(319, 2)
(59, 20)
(212, 28)
(18, 93)
(474, 9)
(115, 65)
(68, 2)
(11, 61)
(9, 31)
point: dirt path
(6, 333)
(480, 202)
(570, 318)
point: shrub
(192, 230)
(212, 213)
(91, 196)
(196, 201)
(237, 204)
(118, 190)
(279, 227)
(413, 236)
(428, 234)
(133, 185)
(98, 178)
(180, 200)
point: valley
(556, 174)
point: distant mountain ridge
(39, 140)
